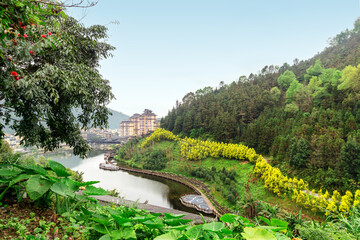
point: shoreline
(197, 185)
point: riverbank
(197, 185)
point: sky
(167, 48)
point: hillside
(116, 118)
(306, 116)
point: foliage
(155, 160)
(41, 184)
(24, 228)
(318, 231)
(286, 79)
(48, 67)
(299, 152)
(223, 180)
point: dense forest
(306, 115)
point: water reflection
(137, 187)
(130, 187)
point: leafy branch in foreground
(49, 66)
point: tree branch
(64, 4)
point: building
(138, 125)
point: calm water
(137, 187)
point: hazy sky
(167, 48)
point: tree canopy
(49, 67)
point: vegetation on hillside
(247, 200)
(306, 116)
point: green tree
(286, 79)
(299, 152)
(350, 83)
(314, 70)
(293, 89)
(49, 69)
(350, 158)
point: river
(137, 187)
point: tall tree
(49, 66)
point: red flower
(25, 35)
(9, 58)
(14, 73)
(49, 33)
(19, 35)
(22, 25)
(17, 78)
(32, 53)
(43, 36)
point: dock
(197, 202)
(109, 167)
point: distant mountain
(116, 118)
(113, 121)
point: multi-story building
(138, 125)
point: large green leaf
(60, 172)
(280, 236)
(194, 232)
(171, 215)
(87, 183)
(126, 233)
(176, 221)
(122, 221)
(172, 235)
(101, 220)
(278, 223)
(30, 169)
(62, 189)
(53, 164)
(275, 224)
(213, 227)
(19, 179)
(265, 220)
(91, 190)
(6, 172)
(99, 228)
(229, 218)
(257, 233)
(37, 187)
(155, 223)
(73, 185)
(105, 237)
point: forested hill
(306, 115)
